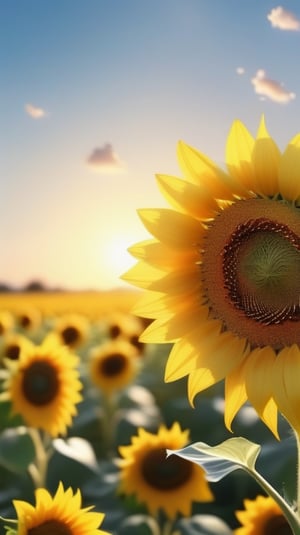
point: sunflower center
(165, 473)
(25, 321)
(50, 527)
(70, 335)
(277, 525)
(40, 383)
(113, 364)
(261, 265)
(114, 330)
(12, 351)
(250, 268)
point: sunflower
(44, 386)
(72, 329)
(168, 484)
(262, 516)
(125, 325)
(223, 274)
(28, 319)
(113, 365)
(61, 514)
(11, 346)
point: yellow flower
(44, 386)
(125, 325)
(61, 515)
(262, 516)
(28, 319)
(11, 346)
(72, 329)
(223, 274)
(170, 484)
(113, 365)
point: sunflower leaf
(203, 525)
(140, 525)
(219, 461)
(16, 449)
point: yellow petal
(258, 380)
(182, 360)
(199, 169)
(159, 255)
(154, 305)
(169, 329)
(142, 275)
(158, 332)
(239, 149)
(172, 228)
(266, 157)
(286, 392)
(179, 282)
(188, 198)
(289, 168)
(235, 392)
(222, 354)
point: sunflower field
(86, 418)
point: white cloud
(284, 20)
(105, 160)
(240, 70)
(34, 111)
(270, 88)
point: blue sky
(94, 96)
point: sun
(114, 259)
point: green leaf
(139, 525)
(203, 525)
(219, 461)
(16, 449)
(232, 454)
(7, 419)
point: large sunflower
(223, 274)
(44, 386)
(262, 516)
(170, 484)
(61, 514)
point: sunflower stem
(167, 528)
(108, 423)
(38, 469)
(12, 520)
(289, 513)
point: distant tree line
(31, 286)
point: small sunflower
(72, 329)
(169, 484)
(223, 274)
(113, 365)
(11, 346)
(61, 515)
(28, 319)
(44, 386)
(262, 516)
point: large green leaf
(218, 461)
(203, 525)
(16, 449)
(232, 454)
(139, 525)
